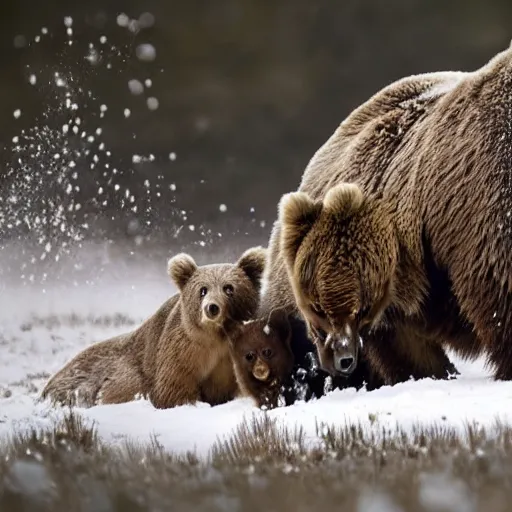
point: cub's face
(261, 351)
(219, 297)
(341, 255)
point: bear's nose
(212, 310)
(346, 364)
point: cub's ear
(181, 268)
(297, 215)
(240, 334)
(252, 262)
(278, 320)
(344, 198)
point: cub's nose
(212, 310)
(346, 364)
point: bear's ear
(344, 199)
(297, 214)
(252, 262)
(278, 320)
(181, 268)
(240, 334)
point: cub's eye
(318, 311)
(250, 357)
(229, 290)
(266, 353)
(203, 291)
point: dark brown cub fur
(262, 358)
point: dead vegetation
(262, 467)
(74, 320)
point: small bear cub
(262, 358)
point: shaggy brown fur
(426, 152)
(418, 253)
(181, 353)
(262, 358)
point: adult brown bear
(400, 233)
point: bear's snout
(345, 351)
(211, 310)
(345, 364)
(260, 370)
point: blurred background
(166, 123)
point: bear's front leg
(173, 386)
(125, 385)
(486, 306)
(399, 354)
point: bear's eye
(250, 357)
(266, 353)
(229, 290)
(321, 333)
(203, 291)
(318, 311)
(363, 313)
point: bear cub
(262, 358)
(180, 354)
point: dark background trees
(247, 91)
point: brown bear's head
(263, 357)
(341, 256)
(219, 297)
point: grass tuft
(262, 466)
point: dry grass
(262, 467)
(74, 321)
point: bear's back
(426, 141)
(362, 147)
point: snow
(442, 492)
(152, 103)
(135, 87)
(145, 52)
(67, 133)
(42, 328)
(376, 501)
(446, 81)
(19, 41)
(123, 20)
(146, 20)
(30, 479)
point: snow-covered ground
(42, 328)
